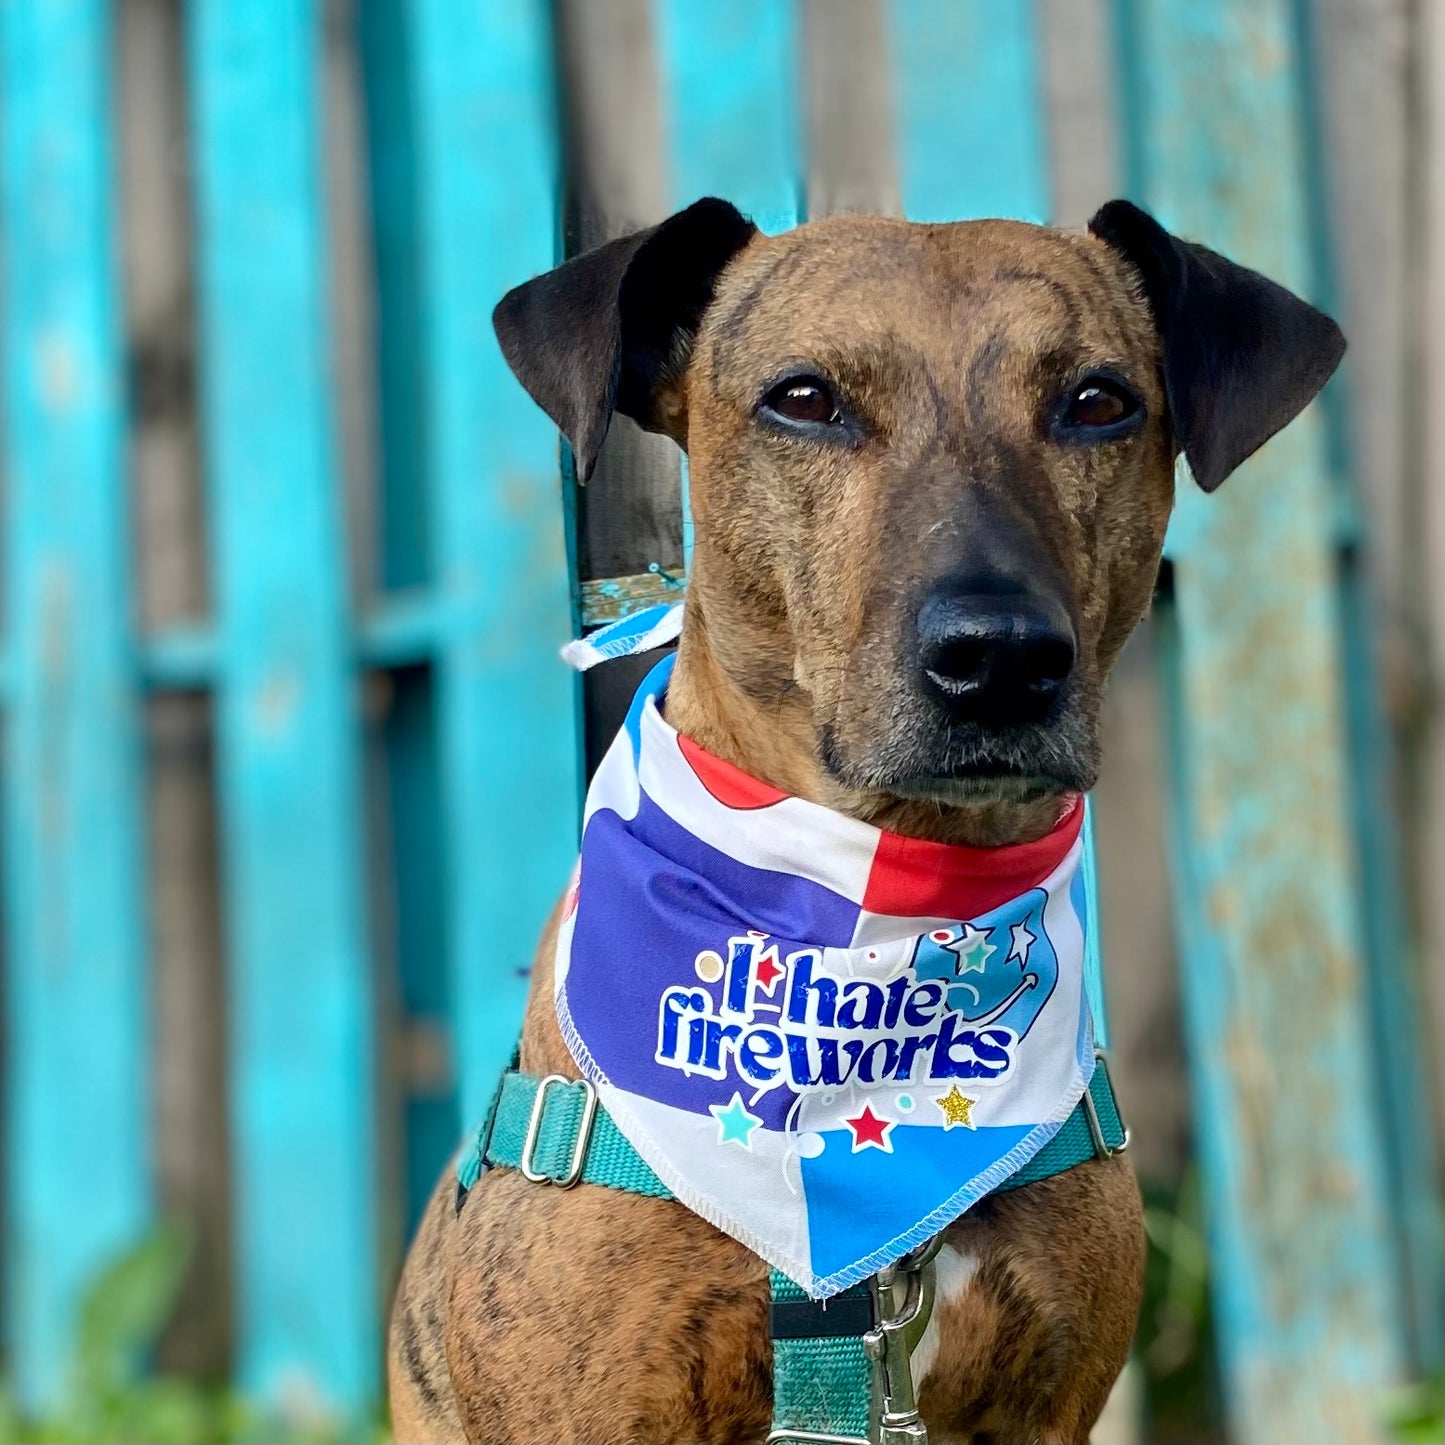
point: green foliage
(1175, 1341)
(116, 1394)
(1419, 1416)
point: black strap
(850, 1313)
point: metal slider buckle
(1091, 1112)
(812, 1437)
(584, 1132)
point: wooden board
(1270, 937)
(507, 719)
(299, 974)
(1427, 281)
(848, 92)
(1361, 108)
(966, 95)
(78, 1034)
(628, 517)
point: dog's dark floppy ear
(1242, 356)
(610, 330)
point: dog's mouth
(965, 789)
(954, 768)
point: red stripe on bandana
(732, 787)
(913, 878)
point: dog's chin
(946, 768)
(973, 790)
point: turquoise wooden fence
(1317, 1186)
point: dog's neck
(771, 735)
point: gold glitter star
(957, 1108)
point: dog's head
(931, 465)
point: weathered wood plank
(1425, 501)
(405, 863)
(1360, 104)
(78, 1138)
(192, 1131)
(1079, 73)
(966, 97)
(849, 92)
(192, 1153)
(606, 599)
(1364, 112)
(729, 82)
(729, 105)
(629, 515)
(1136, 920)
(299, 976)
(1427, 282)
(508, 732)
(1270, 936)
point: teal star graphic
(734, 1124)
(972, 949)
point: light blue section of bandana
(653, 686)
(638, 632)
(854, 1200)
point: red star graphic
(869, 1131)
(768, 970)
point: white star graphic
(1023, 940)
(971, 948)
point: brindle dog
(931, 469)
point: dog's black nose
(995, 660)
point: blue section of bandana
(864, 1195)
(652, 896)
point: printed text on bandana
(791, 1022)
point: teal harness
(840, 1366)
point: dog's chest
(954, 1269)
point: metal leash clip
(891, 1342)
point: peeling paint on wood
(1270, 936)
(609, 598)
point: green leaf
(126, 1310)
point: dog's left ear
(612, 329)
(1242, 356)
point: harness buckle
(892, 1341)
(812, 1437)
(534, 1132)
(1091, 1112)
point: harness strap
(822, 1375)
(553, 1131)
(1095, 1128)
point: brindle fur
(535, 1314)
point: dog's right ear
(612, 330)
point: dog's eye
(1097, 406)
(805, 400)
(1100, 404)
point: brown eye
(1100, 404)
(1093, 406)
(803, 399)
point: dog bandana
(827, 1039)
